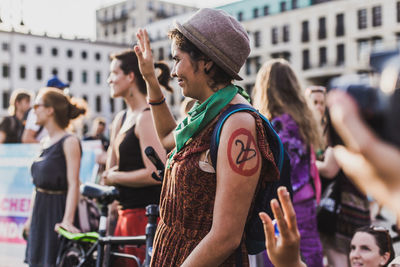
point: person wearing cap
(203, 211)
(33, 133)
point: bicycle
(88, 249)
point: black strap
(238, 256)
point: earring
(131, 92)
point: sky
(67, 17)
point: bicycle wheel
(73, 254)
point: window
(98, 77)
(84, 76)
(4, 46)
(257, 42)
(105, 32)
(70, 75)
(274, 35)
(376, 16)
(6, 71)
(38, 50)
(248, 66)
(257, 63)
(376, 44)
(54, 52)
(70, 53)
(322, 56)
(22, 48)
(22, 72)
(240, 16)
(322, 28)
(97, 56)
(112, 105)
(294, 4)
(362, 18)
(306, 59)
(54, 71)
(83, 54)
(85, 97)
(363, 48)
(286, 34)
(305, 37)
(340, 24)
(98, 103)
(398, 11)
(123, 27)
(266, 10)
(161, 53)
(172, 100)
(398, 40)
(6, 99)
(283, 6)
(115, 30)
(255, 13)
(340, 55)
(39, 73)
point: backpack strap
(267, 125)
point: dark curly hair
(217, 74)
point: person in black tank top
(55, 175)
(127, 166)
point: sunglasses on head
(316, 89)
(383, 230)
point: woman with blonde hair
(278, 96)
(55, 175)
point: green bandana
(202, 114)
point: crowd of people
(204, 209)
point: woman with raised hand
(132, 131)
(55, 176)
(278, 96)
(204, 210)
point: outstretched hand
(370, 162)
(144, 54)
(283, 250)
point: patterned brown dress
(187, 200)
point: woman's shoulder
(71, 141)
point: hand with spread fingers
(283, 250)
(144, 54)
(371, 163)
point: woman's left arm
(72, 152)
(238, 171)
(147, 136)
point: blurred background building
(321, 39)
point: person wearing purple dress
(277, 95)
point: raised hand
(283, 250)
(371, 163)
(144, 54)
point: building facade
(28, 61)
(321, 39)
(119, 22)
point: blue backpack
(255, 238)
